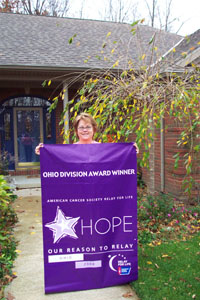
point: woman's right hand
(37, 149)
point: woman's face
(85, 131)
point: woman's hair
(87, 118)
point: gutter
(53, 68)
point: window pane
(48, 126)
(7, 126)
(28, 134)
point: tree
(152, 11)
(57, 8)
(136, 99)
(120, 11)
(160, 16)
(7, 5)
(82, 9)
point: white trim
(164, 55)
(66, 116)
(189, 58)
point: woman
(85, 127)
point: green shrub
(162, 217)
(5, 157)
(156, 207)
(8, 218)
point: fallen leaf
(10, 297)
(18, 251)
(157, 266)
(127, 295)
(9, 278)
(14, 274)
(149, 262)
(165, 255)
(33, 232)
(151, 270)
(197, 278)
(20, 211)
(182, 279)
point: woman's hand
(136, 146)
(37, 149)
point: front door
(28, 133)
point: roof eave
(53, 68)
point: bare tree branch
(122, 11)
(152, 11)
(56, 8)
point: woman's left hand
(136, 146)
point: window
(27, 101)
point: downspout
(162, 155)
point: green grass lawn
(170, 271)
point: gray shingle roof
(188, 45)
(39, 41)
(183, 54)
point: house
(34, 49)
(162, 175)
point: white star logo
(62, 226)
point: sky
(186, 12)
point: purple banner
(89, 209)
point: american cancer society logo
(124, 270)
(120, 264)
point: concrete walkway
(29, 283)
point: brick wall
(173, 178)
